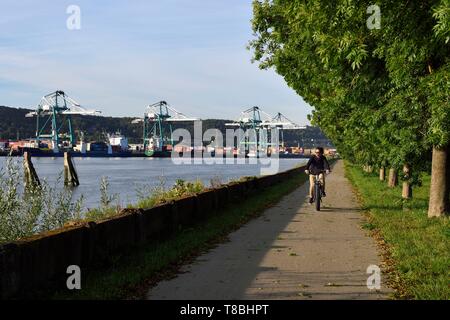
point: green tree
(381, 94)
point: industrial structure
(54, 121)
(259, 133)
(282, 122)
(157, 132)
(256, 124)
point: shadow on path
(290, 252)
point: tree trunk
(382, 174)
(440, 183)
(407, 190)
(393, 179)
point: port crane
(252, 119)
(260, 121)
(57, 109)
(283, 123)
(157, 131)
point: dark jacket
(315, 165)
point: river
(126, 175)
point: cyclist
(316, 165)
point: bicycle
(318, 190)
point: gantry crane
(283, 123)
(157, 132)
(57, 108)
(280, 120)
(252, 121)
(260, 121)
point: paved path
(290, 252)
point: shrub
(34, 209)
(161, 195)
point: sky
(129, 54)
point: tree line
(381, 94)
(14, 125)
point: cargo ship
(97, 150)
(157, 149)
(116, 146)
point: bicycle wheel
(317, 196)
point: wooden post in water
(31, 177)
(70, 174)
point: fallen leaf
(332, 284)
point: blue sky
(128, 54)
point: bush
(34, 209)
(161, 195)
(26, 211)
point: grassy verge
(131, 275)
(417, 249)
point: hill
(14, 125)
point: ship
(157, 128)
(157, 148)
(116, 145)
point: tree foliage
(381, 95)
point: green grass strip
(130, 276)
(418, 248)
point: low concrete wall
(40, 263)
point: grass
(417, 249)
(148, 198)
(130, 276)
(180, 189)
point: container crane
(157, 133)
(252, 119)
(260, 121)
(57, 109)
(283, 123)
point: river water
(127, 175)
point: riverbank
(129, 177)
(128, 276)
(416, 248)
(38, 264)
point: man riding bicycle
(317, 164)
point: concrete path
(290, 252)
